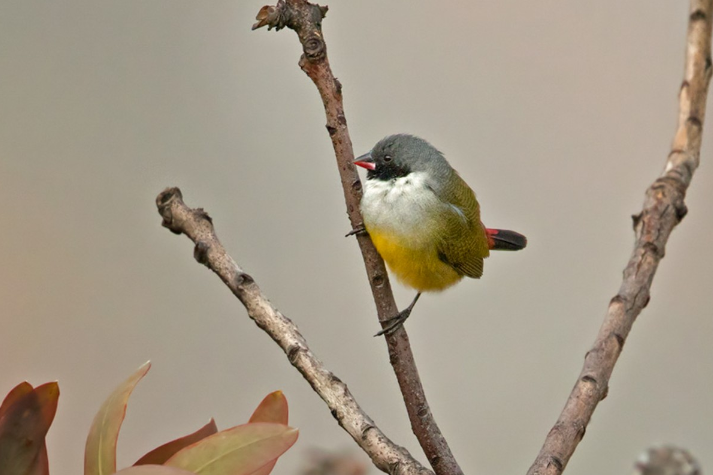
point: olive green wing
(464, 245)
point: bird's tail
(504, 240)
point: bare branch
(306, 20)
(198, 227)
(667, 460)
(663, 209)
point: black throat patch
(388, 171)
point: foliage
(248, 449)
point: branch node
(203, 214)
(302, 17)
(605, 393)
(365, 430)
(694, 121)
(652, 248)
(698, 15)
(314, 48)
(335, 380)
(581, 431)
(200, 252)
(243, 280)
(166, 195)
(273, 17)
(636, 219)
(556, 462)
(681, 212)
(619, 341)
(292, 352)
(163, 202)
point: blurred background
(559, 114)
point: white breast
(404, 206)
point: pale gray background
(558, 113)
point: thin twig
(198, 227)
(306, 19)
(663, 209)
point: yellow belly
(417, 267)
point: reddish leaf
(100, 450)
(15, 393)
(272, 409)
(41, 464)
(159, 455)
(153, 470)
(241, 450)
(23, 428)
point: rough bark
(663, 209)
(198, 227)
(306, 20)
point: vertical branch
(306, 19)
(663, 209)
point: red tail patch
(504, 240)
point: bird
(424, 219)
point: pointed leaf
(240, 450)
(159, 455)
(153, 470)
(272, 409)
(24, 426)
(15, 393)
(40, 466)
(100, 450)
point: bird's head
(398, 155)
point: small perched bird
(424, 219)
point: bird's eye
(387, 158)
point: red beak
(365, 161)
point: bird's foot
(395, 322)
(358, 230)
(398, 320)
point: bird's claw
(396, 322)
(358, 230)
